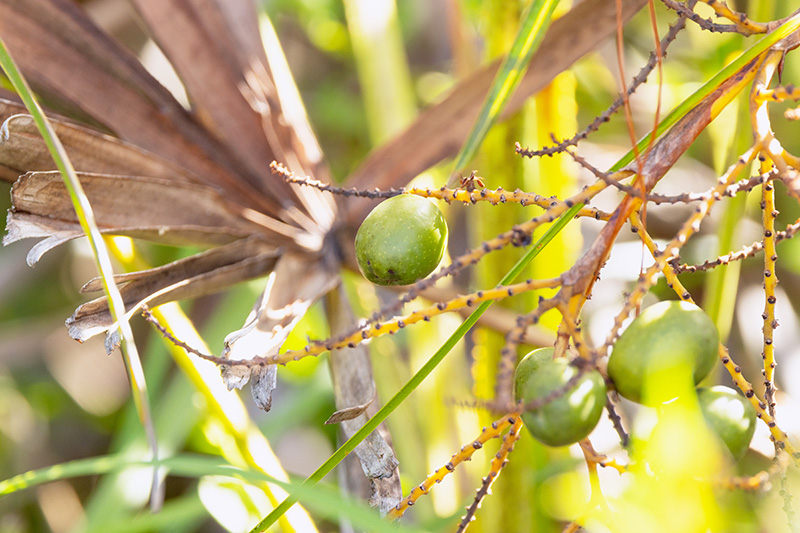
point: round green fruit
(401, 241)
(571, 415)
(528, 366)
(665, 336)
(730, 416)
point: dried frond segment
(492, 432)
(206, 272)
(23, 149)
(273, 317)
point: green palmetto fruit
(664, 337)
(401, 241)
(572, 414)
(528, 366)
(730, 416)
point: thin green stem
(535, 22)
(83, 210)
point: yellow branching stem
(594, 458)
(464, 454)
(573, 330)
(465, 195)
(753, 483)
(740, 20)
(778, 94)
(518, 235)
(778, 436)
(637, 226)
(772, 154)
(748, 251)
(498, 462)
(508, 354)
(672, 249)
(769, 214)
(395, 324)
(596, 499)
(500, 196)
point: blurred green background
(61, 401)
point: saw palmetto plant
(627, 152)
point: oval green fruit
(730, 416)
(664, 336)
(570, 416)
(528, 366)
(401, 241)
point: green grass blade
(417, 379)
(324, 500)
(102, 260)
(535, 22)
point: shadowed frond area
(156, 171)
(159, 171)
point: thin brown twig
(605, 116)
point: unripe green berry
(401, 241)
(573, 413)
(664, 336)
(730, 415)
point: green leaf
(535, 22)
(326, 501)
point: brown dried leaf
(134, 203)
(191, 277)
(292, 287)
(76, 67)
(209, 58)
(349, 413)
(440, 130)
(52, 232)
(23, 150)
(248, 101)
